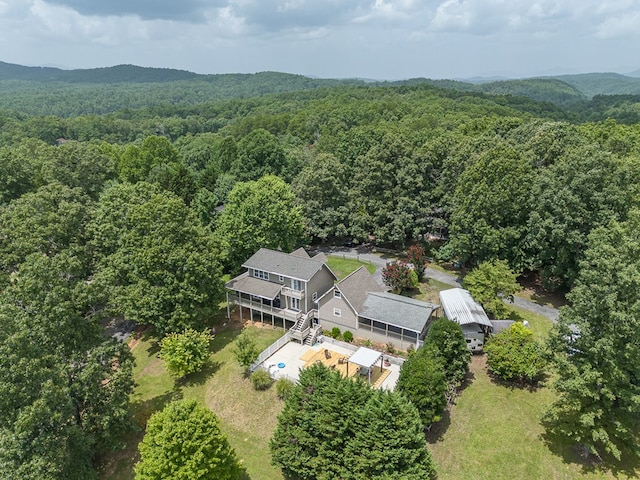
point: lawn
(494, 432)
(248, 417)
(343, 266)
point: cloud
(179, 10)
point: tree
(259, 154)
(417, 256)
(594, 346)
(399, 276)
(64, 388)
(321, 189)
(185, 352)
(514, 355)
(48, 220)
(447, 338)
(245, 350)
(184, 440)
(491, 207)
(490, 284)
(154, 258)
(389, 441)
(259, 214)
(334, 427)
(422, 380)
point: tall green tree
(491, 208)
(514, 355)
(64, 388)
(259, 214)
(154, 258)
(595, 347)
(184, 441)
(447, 338)
(422, 380)
(259, 154)
(491, 283)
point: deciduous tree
(185, 352)
(399, 276)
(490, 284)
(184, 440)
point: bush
(448, 340)
(245, 350)
(347, 336)
(399, 277)
(514, 355)
(284, 387)
(335, 332)
(186, 352)
(391, 348)
(261, 380)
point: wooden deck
(339, 362)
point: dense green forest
(137, 214)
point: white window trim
(337, 312)
(260, 274)
(337, 293)
(314, 297)
(281, 278)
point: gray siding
(346, 320)
(321, 282)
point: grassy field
(343, 266)
(248, 417)
(494, 432)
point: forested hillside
(117, 215)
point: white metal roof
(459, 306)
(365, 357)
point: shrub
(246, 350)
(515, 355)
(186, 352)
(335, 332)
(347, 336)
(284, 387)
(391, 348)
(261, 379)
(399, 277)
(448, 340)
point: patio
(287, 362)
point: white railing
(270, 350)
(290, 292)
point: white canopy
(365, 357)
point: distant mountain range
(129, 86)
(555, 88)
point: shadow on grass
(532, 387)
(143, 409)
(435, 433)
(199, 378)
(578, 454)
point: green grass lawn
(343, 266)
(494, 432)
(248, 417)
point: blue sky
(378, 39)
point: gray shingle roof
(397, 310)
(254, 286)
(459, 306)
(356, 286)
(280, 263)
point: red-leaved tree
(399, 276)
(417, 256)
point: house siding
(321, 282)
(328, 320)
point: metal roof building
(459, 306)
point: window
(261, 274)
(281, 278)
(337, 312)
(314, 297)
(295, 304)
(337, 294)
(296, 285)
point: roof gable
(356, 286)
(288, 265)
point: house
(360, 305)
(282, 286)
(459, 306)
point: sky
(376, 39)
